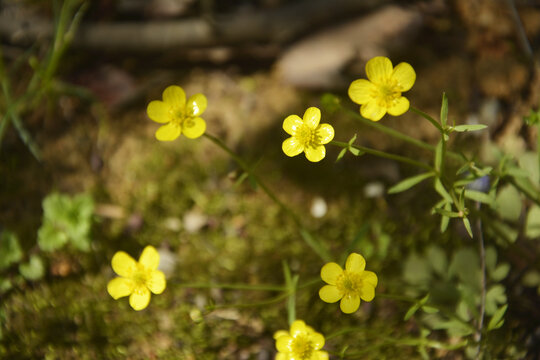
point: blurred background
(76, 79)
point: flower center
(349, 283)
(140, 276)
(178, 116)
(301, 347)
(387, 93)
(307, 136)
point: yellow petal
(312, 116)
(123, 264)
(298, 326)
(292, 147)
(372, 111)
(158, 111)
(404, 75)
(156, 283)
(317, 340)
(140, 298)
(320, 355)
(282, 356)
(369, 277)
(399, 106)
(175, 97)
(280, 333)
(292, 123)
(194, 127)
(379, 69)
(355, 263)
(283, 343)
(119, 287)
(196, 105)
(361, 91)
(168, 132)
(367, 292)
(315, 154)
(325, 132)
(149, 258)
(349, 304)
(330, 294)
(330, 273)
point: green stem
(383, 154)
(254, 287)
(428, 118)
(315, 245)
(396, 134)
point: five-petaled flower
(349, 285)
(300, 343)
(307, 135)
(137, 279)
(178, 115)
(382, 93)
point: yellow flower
(307, 135)
(178, 115)
(300, 343)
(137, 279)
(349, 285)
(382, 93)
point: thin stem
(398, 135)
(254, 287)
(383, 154)
(315, 245)
(480, 235)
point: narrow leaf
(409, 182)
(480, 197)
(465, 128)
(467, 224)
(442, 191)
(497, 319)
(444, 110)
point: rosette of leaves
(66, 220)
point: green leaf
(500, 272)
(341, 154)
(497, 320)
(51, 238)
(467, 225)
(412, 310)
(437, 259)
(409, 182)
(508, 203)
(442, 191)
(495, 295)
(355, 151)
(465, 265)
(529, 163)
(532, 227)
(480, 197)
(439, 154)
(33, 270)
(445, 220)
(430, 309)
(10, 250)
(416, 270)
(330, 102)
(531, 278)
(444, 110)
(465, 128)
